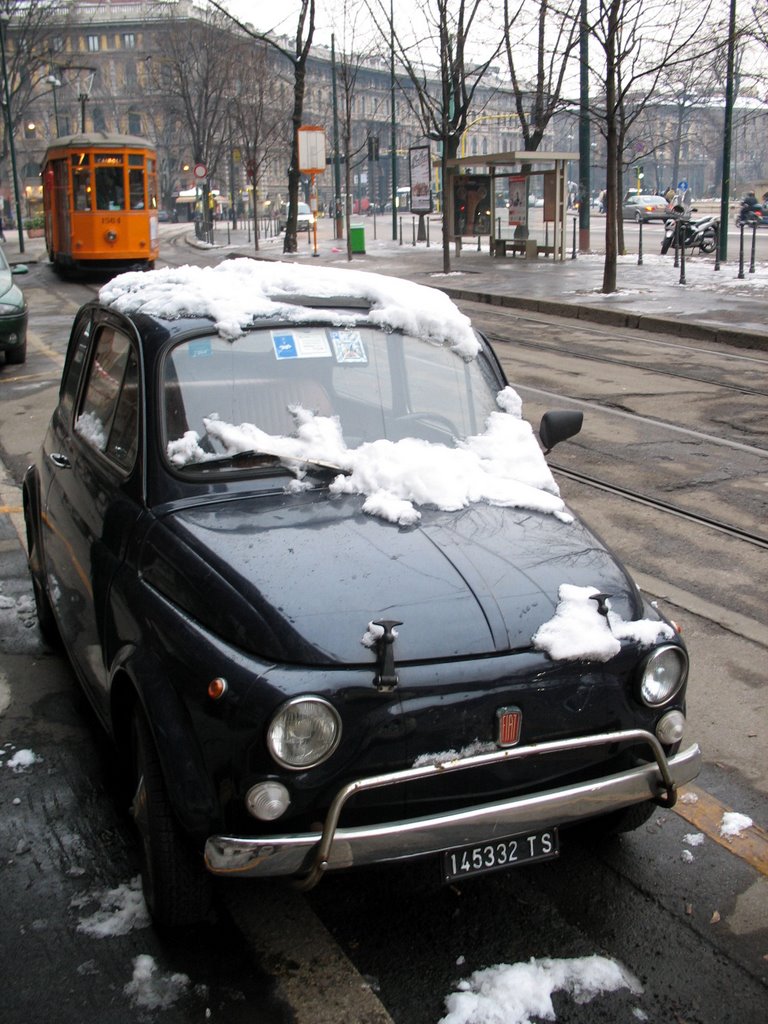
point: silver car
(643, 208)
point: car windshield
(355, 385)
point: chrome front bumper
(310, 854)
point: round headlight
(662, 675)
(304, 732)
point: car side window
(108, 418)
(74, 366)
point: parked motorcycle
(695, 235)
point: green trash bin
(357, 238)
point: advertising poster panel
(421, 185)
(472, 204)
(550, 209)
(518, 200)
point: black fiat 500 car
(315, 576)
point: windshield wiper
(266, 459)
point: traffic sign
(200, 171)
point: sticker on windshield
(199, 349)
(311, 344)
(348, 347)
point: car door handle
(59, 460)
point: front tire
(177, 889)
(18, 355)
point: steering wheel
(433, 420)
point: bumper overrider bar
(310, 854)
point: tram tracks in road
(659, 505)
(630, 364)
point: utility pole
(339, 221)
(585, 148)
(4, 19)
(727, 130)
(393, 143)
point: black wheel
(708, 241)
(177, 888)
(18, 355)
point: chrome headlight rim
(285, 708)
(674, 689)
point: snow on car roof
(237, 292)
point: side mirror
(558, 426)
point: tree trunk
(612, 158)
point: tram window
(136, 187)
(81, 188)
(110, 194)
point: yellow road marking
(44, 349)
(706, 814)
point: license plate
(465, 861)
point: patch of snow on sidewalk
(522, 993)
(121, 910)
(733, 824)
(152, 991)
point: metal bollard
(640, 247)
(717, 248)
(573, 253)
(682, 258)
(401, 230)
(752, 255)
(413, 230)
(740, 275)
(676, 244)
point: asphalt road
(688, 921)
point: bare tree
(298, 56)
(349, 60)
(637, 40)
(443, 96)
(33, 48)
(196, 73)
(538, 95)
(259, 122)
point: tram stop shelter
(517, 199)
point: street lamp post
(55, 83)
(4, 19)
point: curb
(617, 318)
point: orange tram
(100, 202)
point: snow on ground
(522, 993)
(121, 910)
(733, 824)
(150, 989)
(22, 760)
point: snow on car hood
(466, 584)
(502, 466)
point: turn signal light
(217, 688)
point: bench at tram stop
(527, 247)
